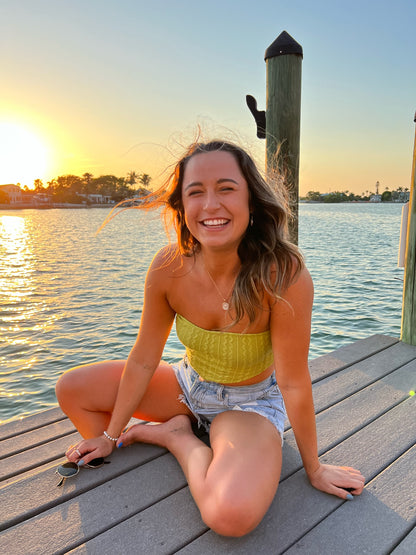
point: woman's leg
(87, 394)
(234, 481)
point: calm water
(69, 297)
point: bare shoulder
(297, 298)
(167, 263)
(301, 282)
(166, 260)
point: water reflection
(18, 309)
(17, 266)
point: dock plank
(385, 513)
(164, 528)
(25, 498)
(88, 514)
(33, 422)
(26, 460)
(349, 354)
(336, 424)
(140, 503)
(340, 385)
(407, 545)
(34, 438)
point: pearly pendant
(225, 305)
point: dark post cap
(284, 44)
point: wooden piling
(408, 334)
(284, 71)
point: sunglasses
(70, 469)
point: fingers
(74, 454)
(346, 493)
(81, 456)
(84, 451)
(356, 489)
(353, 472)
(342, 481)
(342, 493)
(89, 457)
(352, 484)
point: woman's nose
(211, 201)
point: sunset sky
(108, 87)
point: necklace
(225, 303)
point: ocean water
(69, 296)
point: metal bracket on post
(259, 116)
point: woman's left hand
(337, 480)
(88, 449)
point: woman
(242, 300)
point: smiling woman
(23, 155)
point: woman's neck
(225, 264)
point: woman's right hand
(89, 449)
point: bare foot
(158, 434)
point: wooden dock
(140, 503)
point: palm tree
(38, 185)
(87, 180)
(132, 178)
(145, 179)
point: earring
(251, 220)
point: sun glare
(23, 155)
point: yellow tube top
(224, 357)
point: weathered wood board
(140, 503)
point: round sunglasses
(70, 469)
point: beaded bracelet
(109, 437)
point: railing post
(280, 123)
(408, 334)
(284, 74)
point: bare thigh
(94, 388)
(247, 459)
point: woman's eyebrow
(199, 184)
(193, 184)
(224, 179)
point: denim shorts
(207, 399)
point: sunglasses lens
(68, 469)
(95, 463)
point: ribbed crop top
(224, 357)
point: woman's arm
(144, 358)
(290, 328)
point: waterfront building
(14, 193)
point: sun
(24, 155)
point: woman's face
(215, 197)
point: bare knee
(92, 386)
(67, 388)
(234, 517)
(76, 387)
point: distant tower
(377, 186)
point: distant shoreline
(352, 202)
(52, 206)
(66, 206)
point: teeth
(214, 222)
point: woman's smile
(217, 223)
